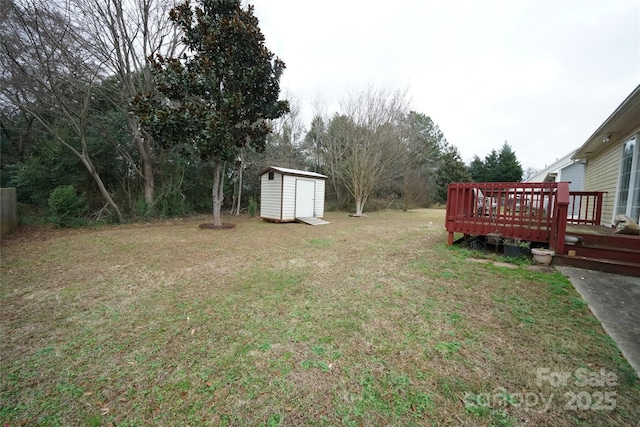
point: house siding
(602, 172)
(270, 196)
(575, 175)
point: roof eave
(293, 172)
(610, 126)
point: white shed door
(305, 191)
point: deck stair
(600, 249)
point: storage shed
(288, 195)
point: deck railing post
(559, 227)
(598, 216)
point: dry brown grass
(366, 321)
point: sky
(541, 75)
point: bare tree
(283, 148)
(529, 173)
(313, 143)
(49, 72)
(334, 151)
(370, 146)
(124, 34)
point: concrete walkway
(615, 300)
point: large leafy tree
(220, 95)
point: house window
(271, 176)
(629, 188)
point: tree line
(125, 109)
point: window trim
(635, 168)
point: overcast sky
(539, 74)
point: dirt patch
(210, 226)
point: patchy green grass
(366, 321)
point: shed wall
(278, 196)
(289, 198)
(318, 209)
(270, 196)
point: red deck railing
(585, 207)
(536, 212)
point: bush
(252, 208)
(67, 208)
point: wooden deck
(526, 211)
(601, 249)
(596, 230)
(543, 213)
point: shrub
(252, 208)
(67, 208)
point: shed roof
(294, 172)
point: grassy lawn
(369, 321)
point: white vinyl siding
(270, 196)
(278, 196)
(602, 174)
(289, 200)
(319, 202)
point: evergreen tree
(509, 168)
(424, 141)
(497, 166)
(492, 167)
(477, 169)
(451, 169)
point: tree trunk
(149, 182)
(359, 206)
(218, 193)
(239, 201)
(103, 190)
(143, 144)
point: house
(566, 169)
(288, 195)
(612, 160)
(575, 224)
